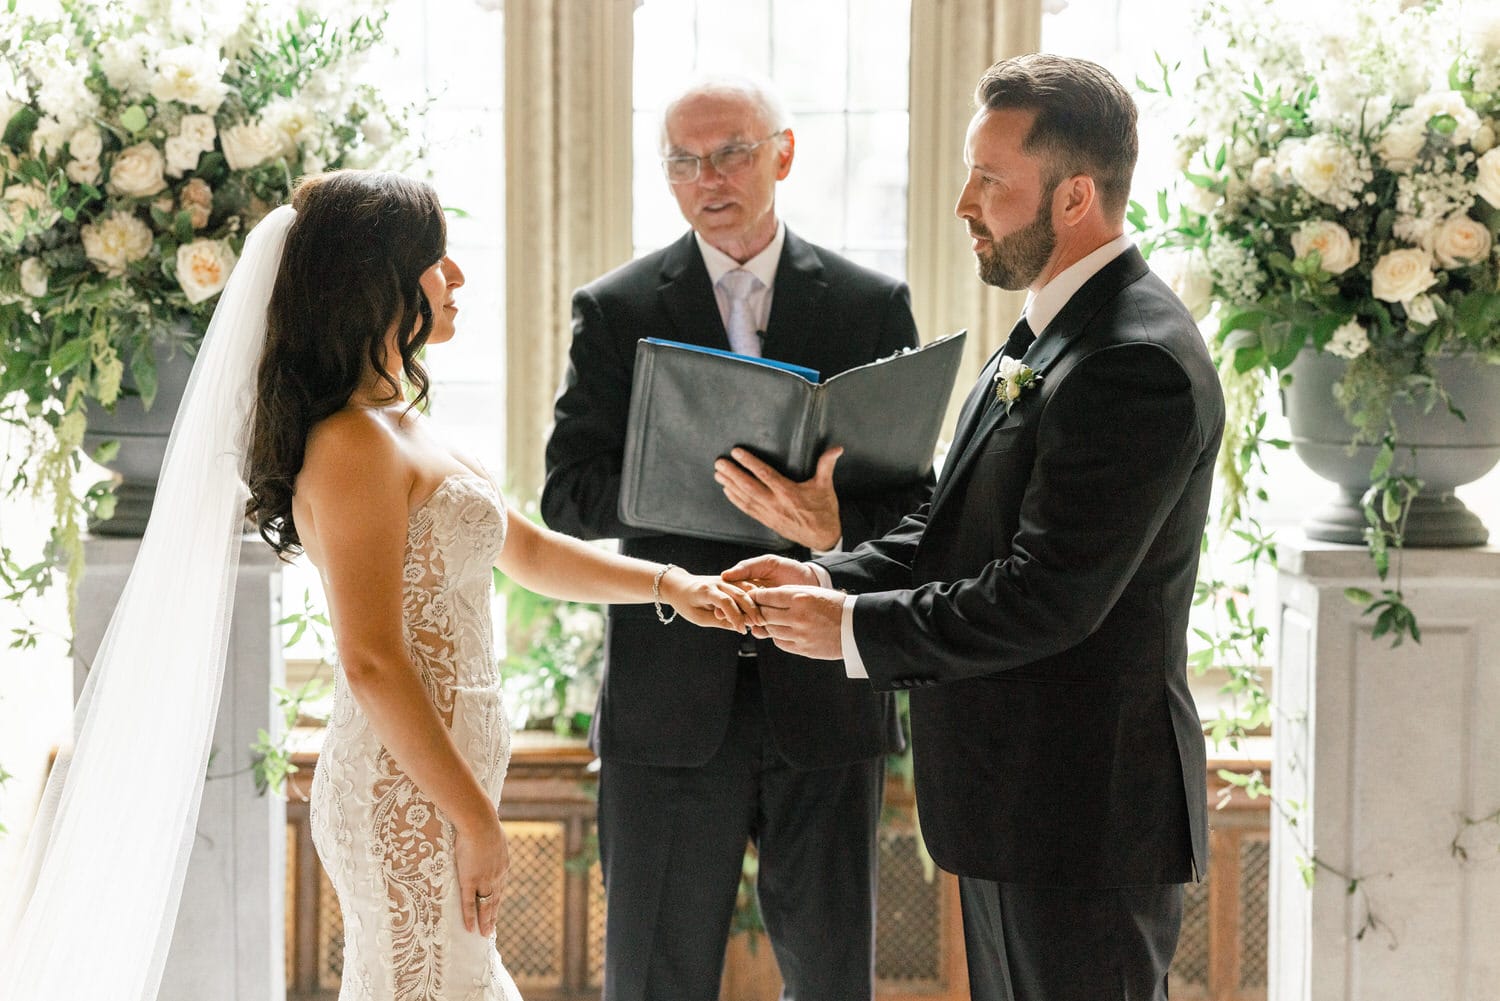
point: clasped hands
(778, 598)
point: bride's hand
(482, 857)
(709, 601)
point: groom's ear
(1074, 199)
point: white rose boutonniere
(1011, 379)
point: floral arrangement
(142, 140)
(1340, 192)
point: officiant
(707, 740)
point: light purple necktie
(738, 286)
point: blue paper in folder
(810, 374)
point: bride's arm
(561, 566)
(353, 489)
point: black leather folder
(690, 405)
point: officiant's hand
(803, 620)
(806, 513)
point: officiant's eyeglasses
(727, 160)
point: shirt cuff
(825, 579)
(837, 547)
(854, 666)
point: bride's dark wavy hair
(350, 274)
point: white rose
(34, 277)
(191, 76)
(1188, 276)
(294, 120)
(86, 144)
(199, 130)
(116, 241)
(182, 155)
(1336, 251)
(1200, 199)
(137, 171)
(23, 201)
(1325, 169)
(50, 137)
(1487, 181)
(249, 145)
(1007, 378)
(1449, 103)
(203, 267)
(1263, 174)
(1349, 341)
(1421, 310)
(1402, 142)
(1460, 241)
(1402, 274)
(80, 172)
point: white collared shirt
(1041, 309)
(762, 265)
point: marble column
(1382, 756)
(229, 943)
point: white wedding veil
(102, 876)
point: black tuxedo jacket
(1038, 607)
(668, 690)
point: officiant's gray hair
(758, 92)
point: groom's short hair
(1085, 120)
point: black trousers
(671, 843)
(1036, 943)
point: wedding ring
(482, 896)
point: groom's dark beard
(1015, 262)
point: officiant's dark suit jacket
(668, 690)
(1037, 609)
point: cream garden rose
(1402, 274)
(137, 172)
(116, 241)
(1461, 241)
(86, 144)
(251, 144)
(199, 130)
(1188, 275)
(1337, 251)
(190, 75)
(23, 202)
(1422, 310)
(203, 267)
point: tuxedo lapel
(1042, 357)
(792, 330)
(688, 297)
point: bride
(404, 530)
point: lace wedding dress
(387, 850)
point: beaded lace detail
(387, 849)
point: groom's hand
(803, 620)
(770, 571)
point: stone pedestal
(1380, 755)
(229, 943)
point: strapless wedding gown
(387, 849)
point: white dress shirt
(762, 265)
(1041, 309)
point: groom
(1037, 607)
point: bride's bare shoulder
(354, 448)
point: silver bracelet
(656, 595)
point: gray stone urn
(142, 435)
(1437, 447)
